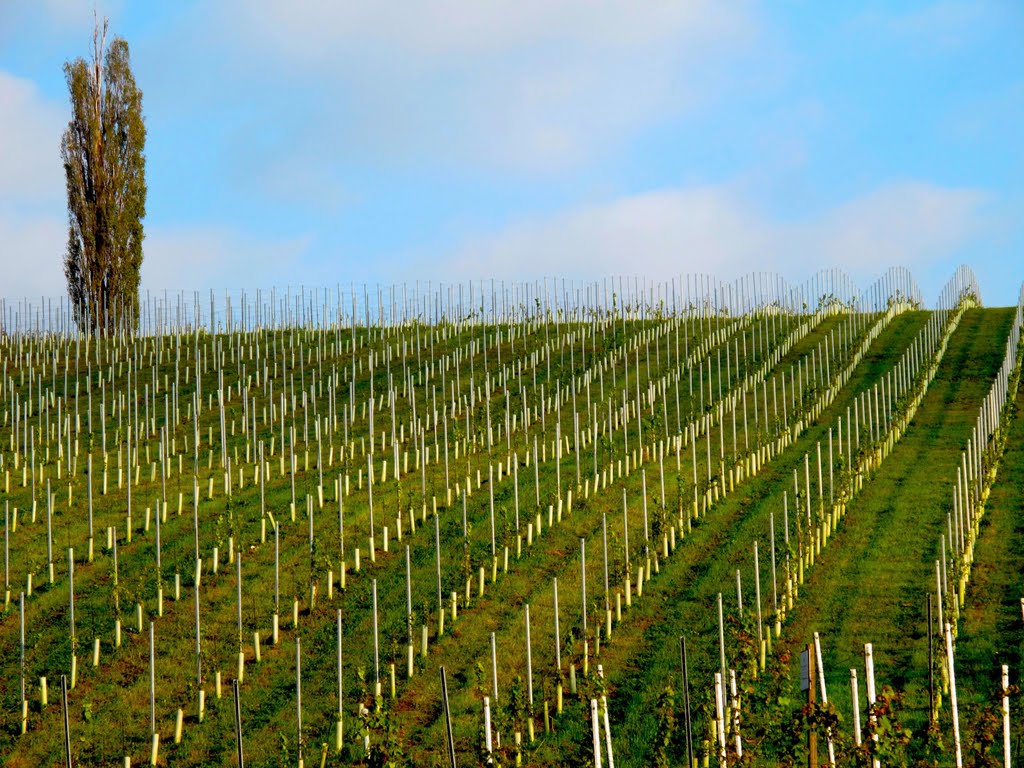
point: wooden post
(812, 735)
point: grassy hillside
(992, 626)
(674, 414)
(872, 583)
(684, 599)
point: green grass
(109, 708)
(120, 691)
(681, 601)
(991, 627)
(872, 582)
(503, 612)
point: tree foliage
(105, 169)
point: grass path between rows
(991, 628)
(872, 582)
(643, 657)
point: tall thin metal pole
(67, 727)
(447, 718)
(376, 645)
(341, 690)
(199, 658)
(21, 613)
(152, 682)
(238, 723)
(298, 691)
(931, 664)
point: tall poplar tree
(105, 168)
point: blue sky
(323, 142)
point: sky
(321, 142)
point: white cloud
(45, 21)
(909, 223)
(31, 255)
(715, 229)
(175, 258)
(73, 13)
(201, 258)
(30, 131)
(432, 29)
(305, 181)
(33, 227)
(658, 233)
(528, 86)
(32, 230)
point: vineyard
(554, 524)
